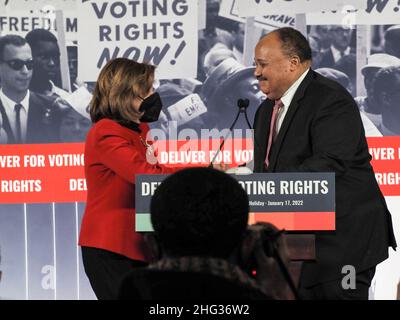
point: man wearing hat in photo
(368, 104)
(337, 76)
(392, 40)
(340, 36)
(386, 86)
(229, 82)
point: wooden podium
(300, 203)
(301, 248)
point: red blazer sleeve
(123, 152)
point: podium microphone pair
(242, 104)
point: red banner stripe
(298, 221)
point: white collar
(10, 104)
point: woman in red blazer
(116, 150)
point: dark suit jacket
(327, 60)
(322, 132)
(43, 121)
(145, 284)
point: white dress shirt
(287, 100)
(9, 106)
(337, 55)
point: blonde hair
(120, 81)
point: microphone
(242, 104)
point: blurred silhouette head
(199, 212)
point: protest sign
(160, 33)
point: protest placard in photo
(16, 5)
(160, 33)
(20, 22)
(230, 9)
(372, 12)
(255, 8)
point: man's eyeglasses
(17, 64)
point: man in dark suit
(340, 47)
(309, 123)
(26, 116)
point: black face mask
(151, 106)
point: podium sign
(291, 201)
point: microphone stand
(242, 105)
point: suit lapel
(33, 118)
(6, 125)
(294, 105)
(263, 120)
